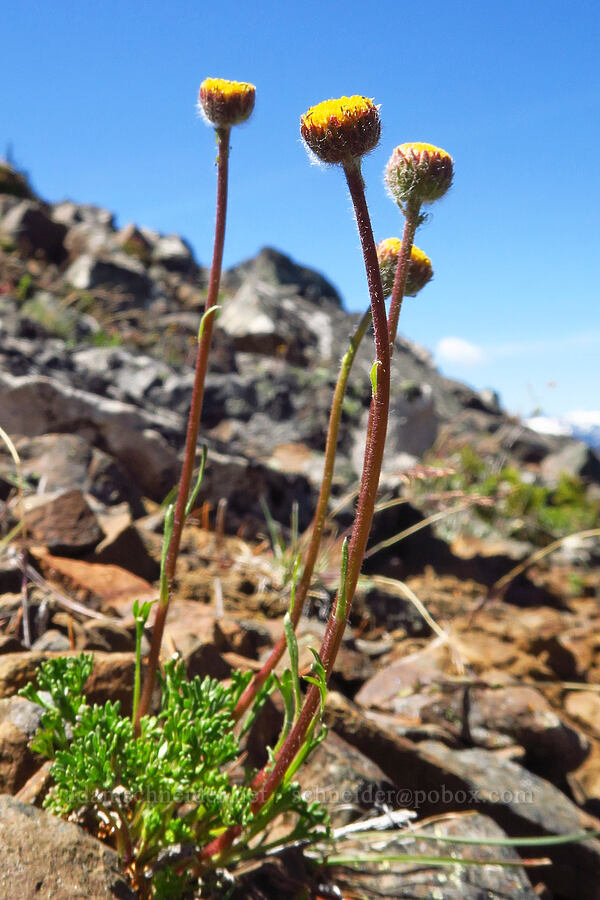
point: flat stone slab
(45, 858)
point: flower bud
(337, 131)
(420, 270)
(418, 172)
(225, 103)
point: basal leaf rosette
(420, 270)
(338, 131)
(225, 103)
(419, 173)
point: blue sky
(99, 106)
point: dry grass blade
(17, 461)
(499, 586)
(399, 587)
(442, 514)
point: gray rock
(7, 202)
(56, 461)
(486, 400)
(253, 320)
(521, 714)
(91, 238)
(69, 214)
(436, 779)
(412, 429)
(29, 226)
(120, 271)
(242, 483)
(134, 242)
(575, 459)
(119, 373)
(19, 721)
(175, 393)
(61, 461)
(524, 444)
(279, 270)
(523, 803)
(343, 779)
(34, 405)
(173, 253)
(420, 881)
(45, 858)
(52, 640)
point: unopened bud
(418, 172)
(420, 270)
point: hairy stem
(267, 781)
(193, 420)
(412, 212)
(312, 551)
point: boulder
(277, 269)
(19, 721)
(89, 237)
(121, 271)
(29, 226)
(47, 858)
(63, 522)
(436, 779)
(61, 461)
(34, 405)
(242, 483)
(119, 373)
(69, 214)
(576, 459)
(173, 253)
(134, 242)
(422, 880)
(14, 183)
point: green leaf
(192, 498)
(292, 646)
(374, 368)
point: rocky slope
(97, 343)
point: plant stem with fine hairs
(267, 781)
(412, 215)
(191, 441)
(318, 524)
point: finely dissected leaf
(136, 786)
(60, 684)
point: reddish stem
(320, 516)
(267, 781)
(413, 208)
(191, 440)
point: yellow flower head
(337, 131)
(419, 172)
(420, 270)
(225, 103)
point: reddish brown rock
(110, 587)
(47, 858)
(63, 522)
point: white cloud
(457, 350)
